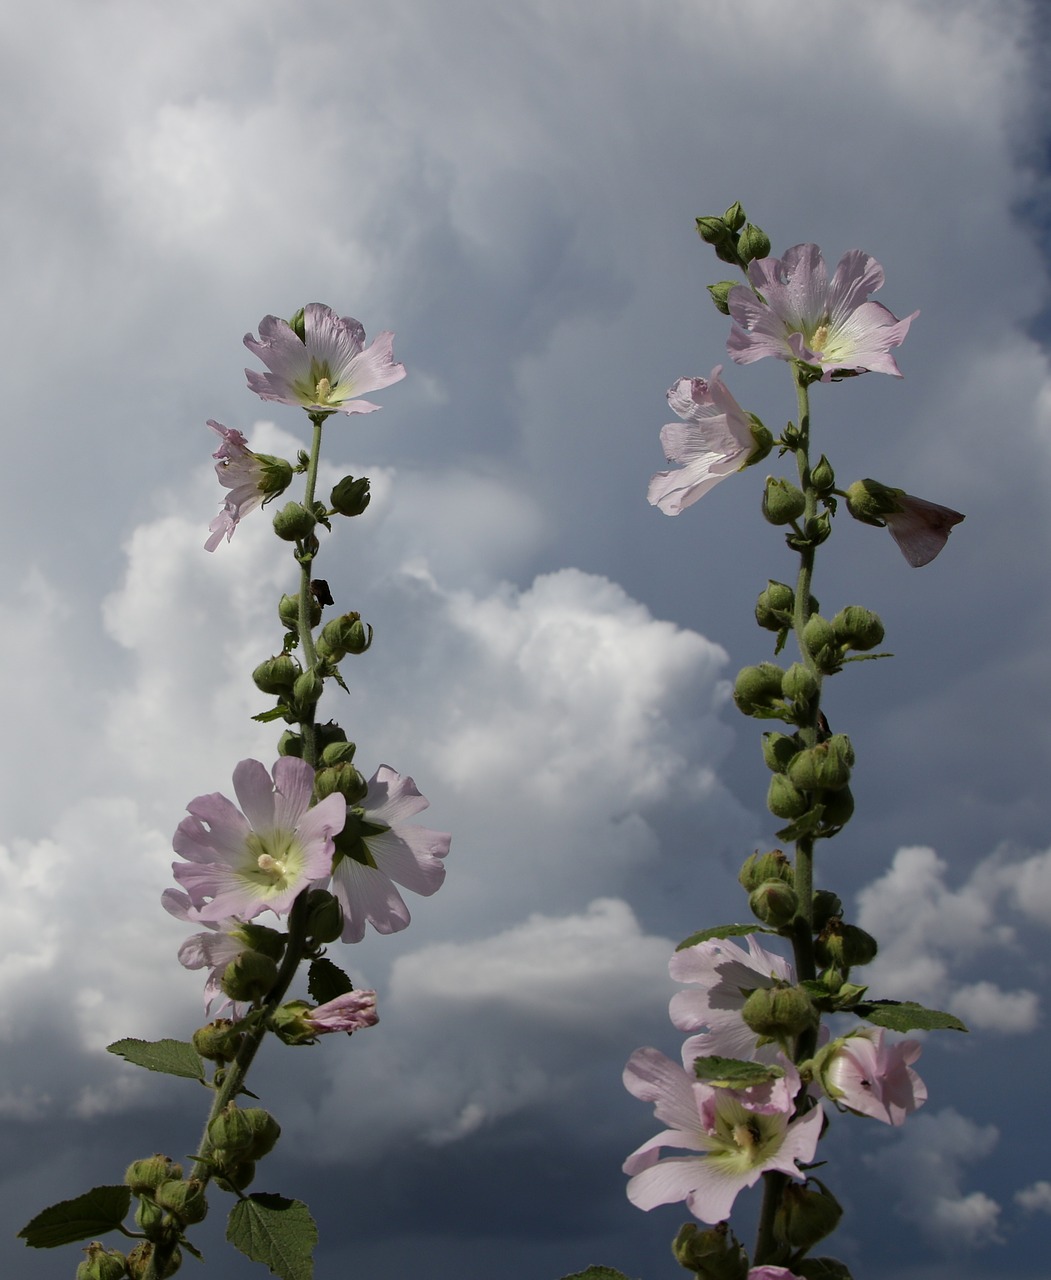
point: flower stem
(306, 636)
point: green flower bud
(102, 1264)
(778, 750)
(734, 216)
(825, 767)
(260, 937)
(783, 501)
(754, 243)
(758, 686)
(328, 733)
(276, 675)
(838, 808)
(779, 1012)
(343, 635)
(822, 644)
(249, 976)
(761, 867)
(720, 292)
(243, 1134)
(218, 1041)
(350, 497)
(774, 608)
(712, 1254)
(298, 325)
(800, 688)
(762, 442)
(288, 612)
(784, 799)
(869, 501)
(307, 690)
(826, 905)
(338, 752)
(342, 778)
(806, 1213)
(822, 477)
(858, 628)
(294, 522)
(145, 1176)
(185, 1201)
(236, 1177)
(844, 945)
(290, 744)
(714, 231)
(276, 474)
(774, 902)
(324, 917)
(149, 1218)
(139, 1260)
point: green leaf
(822, 1269)
(99, 1210)
(722, 931)
(276, 1231)
(906, 1015)
(733, 1073)
(326, 981)
(597, 1273)
(174, 1057)
(275, 713)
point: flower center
(747, 1136)
(323, 390)
(819, 338)
(272, 857)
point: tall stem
(306, 635)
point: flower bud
(720, 292)
(758, 687)
(711, 1254)
(778, 750)
(773, 609)
(243, 1133)
(185, 1201)
(218, 1041)
(826, 905)
(290, 744)
(783, 501)
(260, 937)
(341, 752)
(838, 808)
(754, 243)
(149, 1218)
(806, 1213)
(350, 497)
(294, 522)
(844, 945)
(298, 325)
(328, 733)
(761, 867)
(800, 688)
(276, 675)
(869, 501)
(307, 690)
(774, 902)
(822, 644)
(236, 1177)
(784, 799)
(714, 231)
(145, 1176)
(734, 217)
(343, 635)
(249, 976)
(825, 767)
(102, 1264)
(822, 477)
(858, 628)
(779, 1012)
(762, 442)
(140, 1259)
(342, 778)
(324, 917)
(288, 612)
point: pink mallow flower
(738, 1143)
(213, 950)
(326, 369)
(252, 478)
(921, 528)
(796, 313)
(298, 1022)
(724, 976)
(241, 863)
(865, 1074)
(378, 848)
(715, 439)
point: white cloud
(984, 1007)
(1035, 1198)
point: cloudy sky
(512, 189)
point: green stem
(306, 635)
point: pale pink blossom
(771, 1273)
(379, 849)
(865, 1074)
(212, 950)
(328, 368)
(350, 1012)
(920, 528)
(241, 863)
(713, 441)
(797, 313)
(737, 1142)
(252, 478)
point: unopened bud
(774, 902)
(290, 744)
(260, 937)
(341, 752)
(298, 325)
(307, 689)
(779, 750)
(838, 808)
(294, 522)
(277, 675)
(714, 231)
(783, 501)
(754, 243)
(774, 608)
(821, 642)
(350, 497)
(806, 1214)
(844, 945)
(826, 905)
(734, 217)
(825, 767)
(149, 1218)
(761, 867)
(720, 292)
(758, 687)
(288, 612)
(822, 477)
(145, 1176)
(343, 779)
(779, 1012)
(711, 1254)
(236, 1177)
(183, 1200)
(870, 502)
(140, 1261)
(244, 1133)
(324, 917)
(249, 976)
(858, 628)
(784, 799)
(102, 1264)
(218, 1041)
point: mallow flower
(865, 1074)
(738, 1144)
(322, 365)
(920, 528)
(252, 478)
(715, 439)
(797, 313)
(260, 857)
(379, 848)
(212, 950)
(298, 1022)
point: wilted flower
(715, 439)
(864, 1074)
(379, 847)
(796, 313)
(262, 858)
(738, 1143)
(297, 1022)
(920, 528)
(252, 478)
(327, 368)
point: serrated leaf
(326, 981)
(275, 713)
(722, 931)
(99, 1210)
(597, 1273)
(733, 1073)
(173, 1057)
(906, 1015)
(276, 1231)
